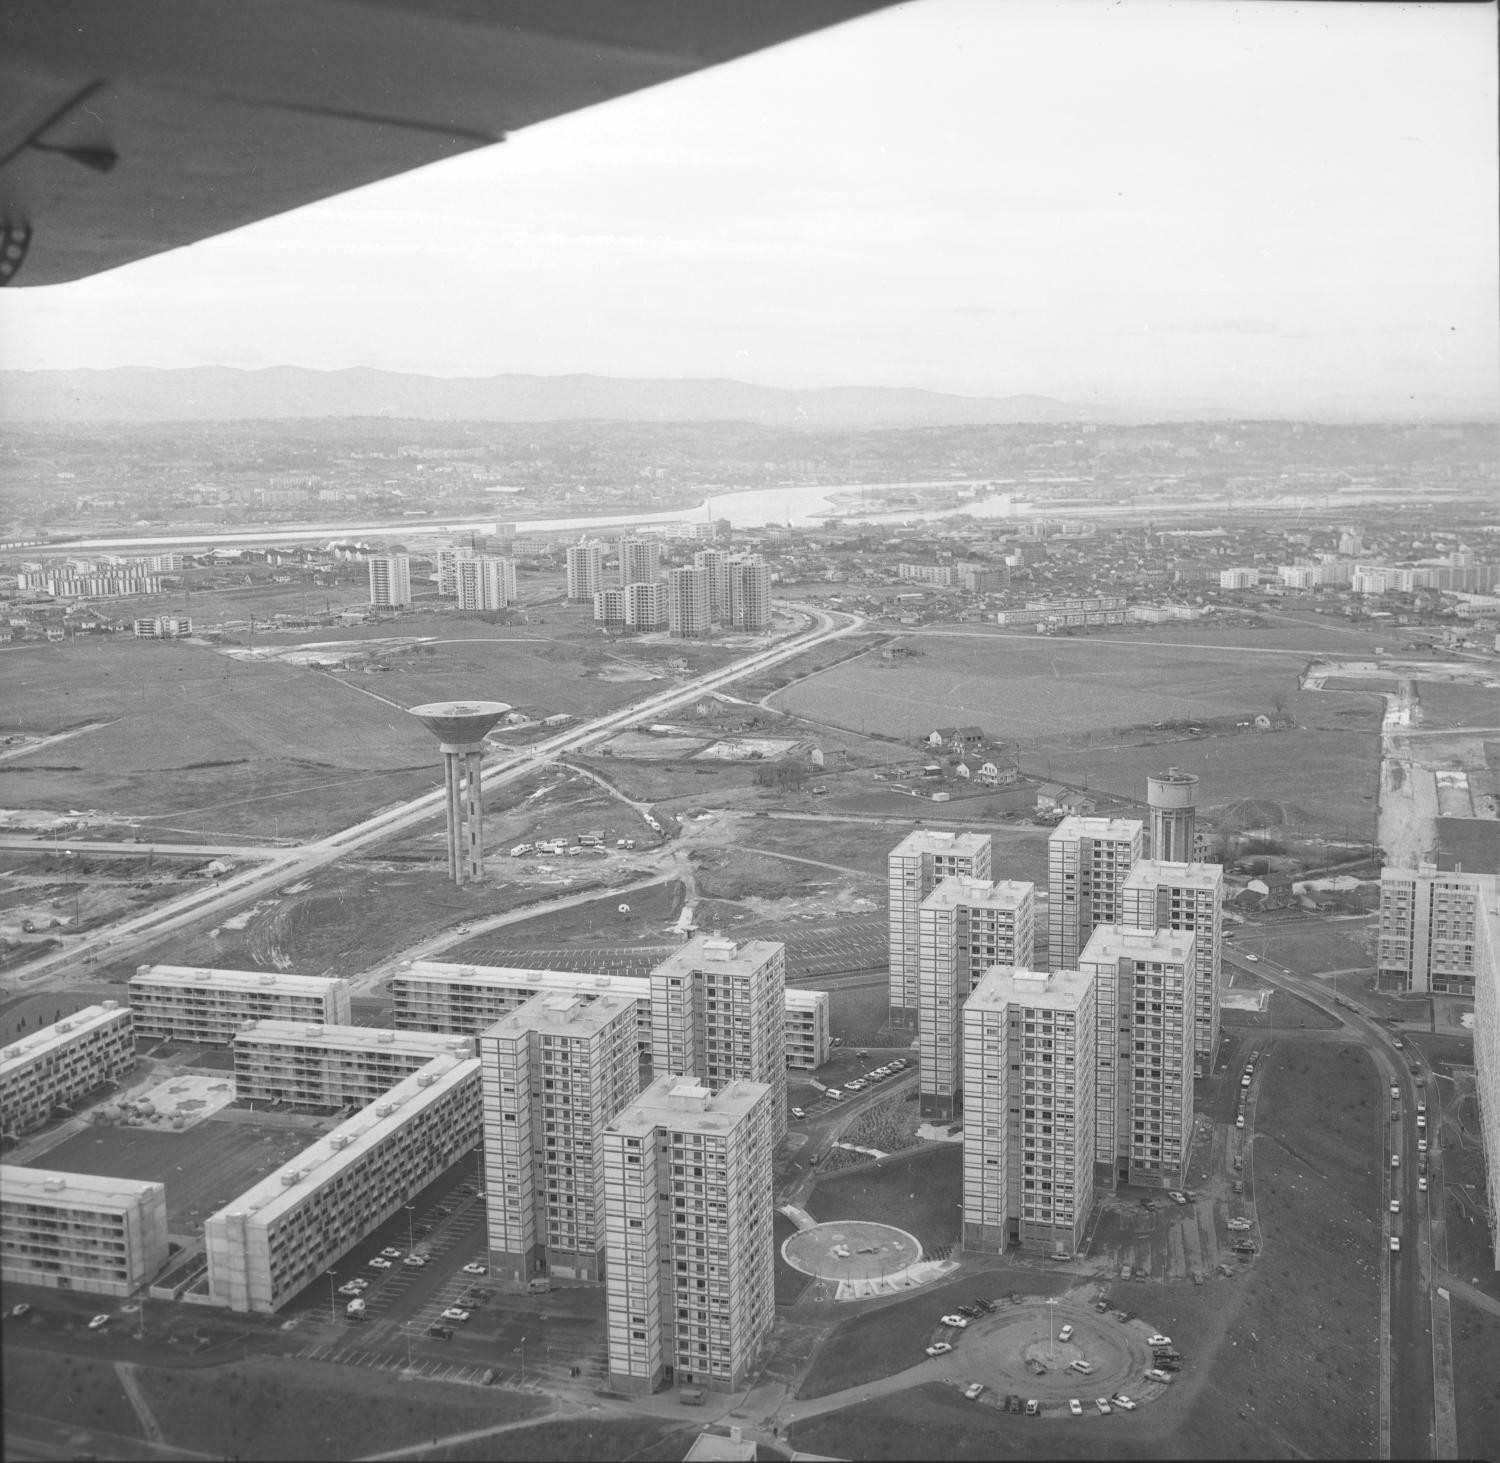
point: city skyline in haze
(1186, 204)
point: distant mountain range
(222, 393)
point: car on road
(455, 1313)
(1083, 1368)
(1177, 1196)
(1395, 1243)
(1075, 1407)
(1421, 1106)
(1421, 1145)
(1395, 1206)
(391, 1253)
(443, 1333)
(1395, 1160)
(1122, 1401)
(1253, 959)
(380, 1263)
(1156, 1374)
(973, 1391)
(1421, 1123)
(98, 1321)
(1422, 1184)
(797, 1112)
(1398, 1043)
(956, 1320)
(1395, 1090)
(475, 1268)
(1158, 1341)
(1102, 1403)
(1032, 1407)
(1237, 1224)
(939, 1348)
(19, 1310)
(1239, 1121)
(1066, 1334)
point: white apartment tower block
(1143, 1103)
(485, 583)
(965, 926)
(1428, 927)
(715, 562)
(915, 867)
(1029, 1041)
(749, 592)
(585, 570)
(640, 560)
(180, 1003)
(690, 1265)
(718, 1014)
(390, 581)
(687, 602)
(1088, 861)
(555, 1072)
(1184, 896)
(63, 1062)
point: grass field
(592, 1440)
(202, 1167)
(1476, 1344)
(1453, 703)
(1311, 947)
(919, 1194)
(263, 1408)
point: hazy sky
(1181, 202)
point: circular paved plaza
(851, 1249)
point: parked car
(391, 1253)
(1237, 1224)
(973, 1391)
(1122, 1401)
(1422, 1184)
(415, 1261)
(1075, 1407)
(1083, 1368)
(1032, 1407)
(380, 1263)
(455, 1313)
(1156, 1374)
(98, 1321)
(18, 1311)
(1395, 1243)
(1395, 1206)
(351, 1288)
(956, 1320)
(1102, 1403)
(1035, 1367)
(1066, 1334)
(797, 1112)
(1158, 1341)
(475, 1268)
(443, 1333)
(939, 1348)
(1176, 1196)
(1421, 1145)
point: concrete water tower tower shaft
(460, 728)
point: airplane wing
(128, 127)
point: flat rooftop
(335, 1038)
(939, 840)
(1154, 873)
(1115, 942)
(1004, 986)
(565, 1013)
(1084, 826)
(187, 977)
(18, 1054)
(46, 1186)
(683, 1104)
(956, 889)
(521, 978)
(711, 952)
(288, 1186)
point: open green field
(203, 1167)
(264, 1408)
(1454, 703)
(919, 1193)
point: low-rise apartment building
(180, 1003)
(78, 1231)
(65, 1061)
(280, 1236)
(331, 1066)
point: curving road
(289, 864)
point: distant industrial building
(1088, 862)
(1161, 895)
(1029, 1043)
(1144, 991)
(1172, 799)
(77, 1231)
(331, 1066)
(914, 868)
(690, 1264)
(180, 1003)
(58, 1064)
(1427, 941)
(555, 1072)
(965, 927)
(390, 581)
(280, 1236)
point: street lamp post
(333, 1305)
(522, 1349)
(411, 1241)
(1051, 1323)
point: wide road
(1416, 1383)
(127, 936)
